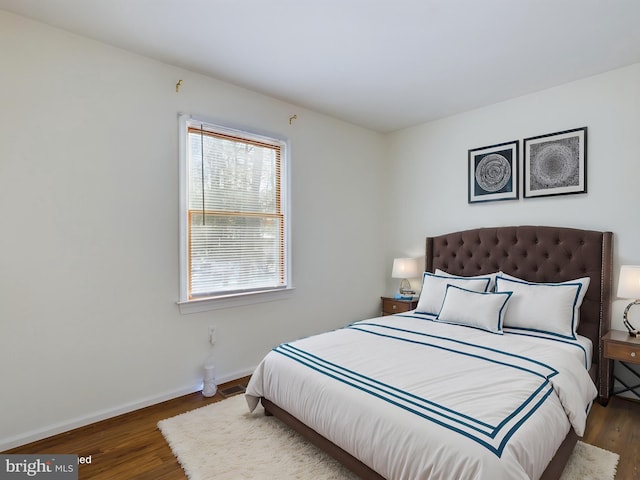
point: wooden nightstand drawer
(620, 346)
(622, 352)
(391, 305)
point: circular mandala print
(493, 172)
(555, 166)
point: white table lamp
(405, 268)
(629, 287)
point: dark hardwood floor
(616, 428)
(130, 446)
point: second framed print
(493, 173)
(555, 164)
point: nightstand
(620, 346)
(392, 305)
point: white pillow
(434, 288)
(551, 308)
(490, 276)
(584, 281)
(474, 309)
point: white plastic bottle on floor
(209, 386)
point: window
(233, 212)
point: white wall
(428, 177)
(89, 245)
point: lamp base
(632, 330)
(405, 288)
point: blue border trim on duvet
(423, 407)
(566, 341)
(375, 384)
(509, 331)
(482, 347)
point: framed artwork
(493, 172)
(555, 164)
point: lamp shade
(629, 282)
(405, 268)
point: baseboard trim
(55, 429)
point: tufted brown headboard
(537, 254)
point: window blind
(236, 225)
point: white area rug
(223, 441)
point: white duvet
(417, 399)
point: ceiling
(381, 64)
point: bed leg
(267, 413)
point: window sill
(233, 300)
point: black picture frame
(493, 172)
(555, 164)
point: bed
(427, 395)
